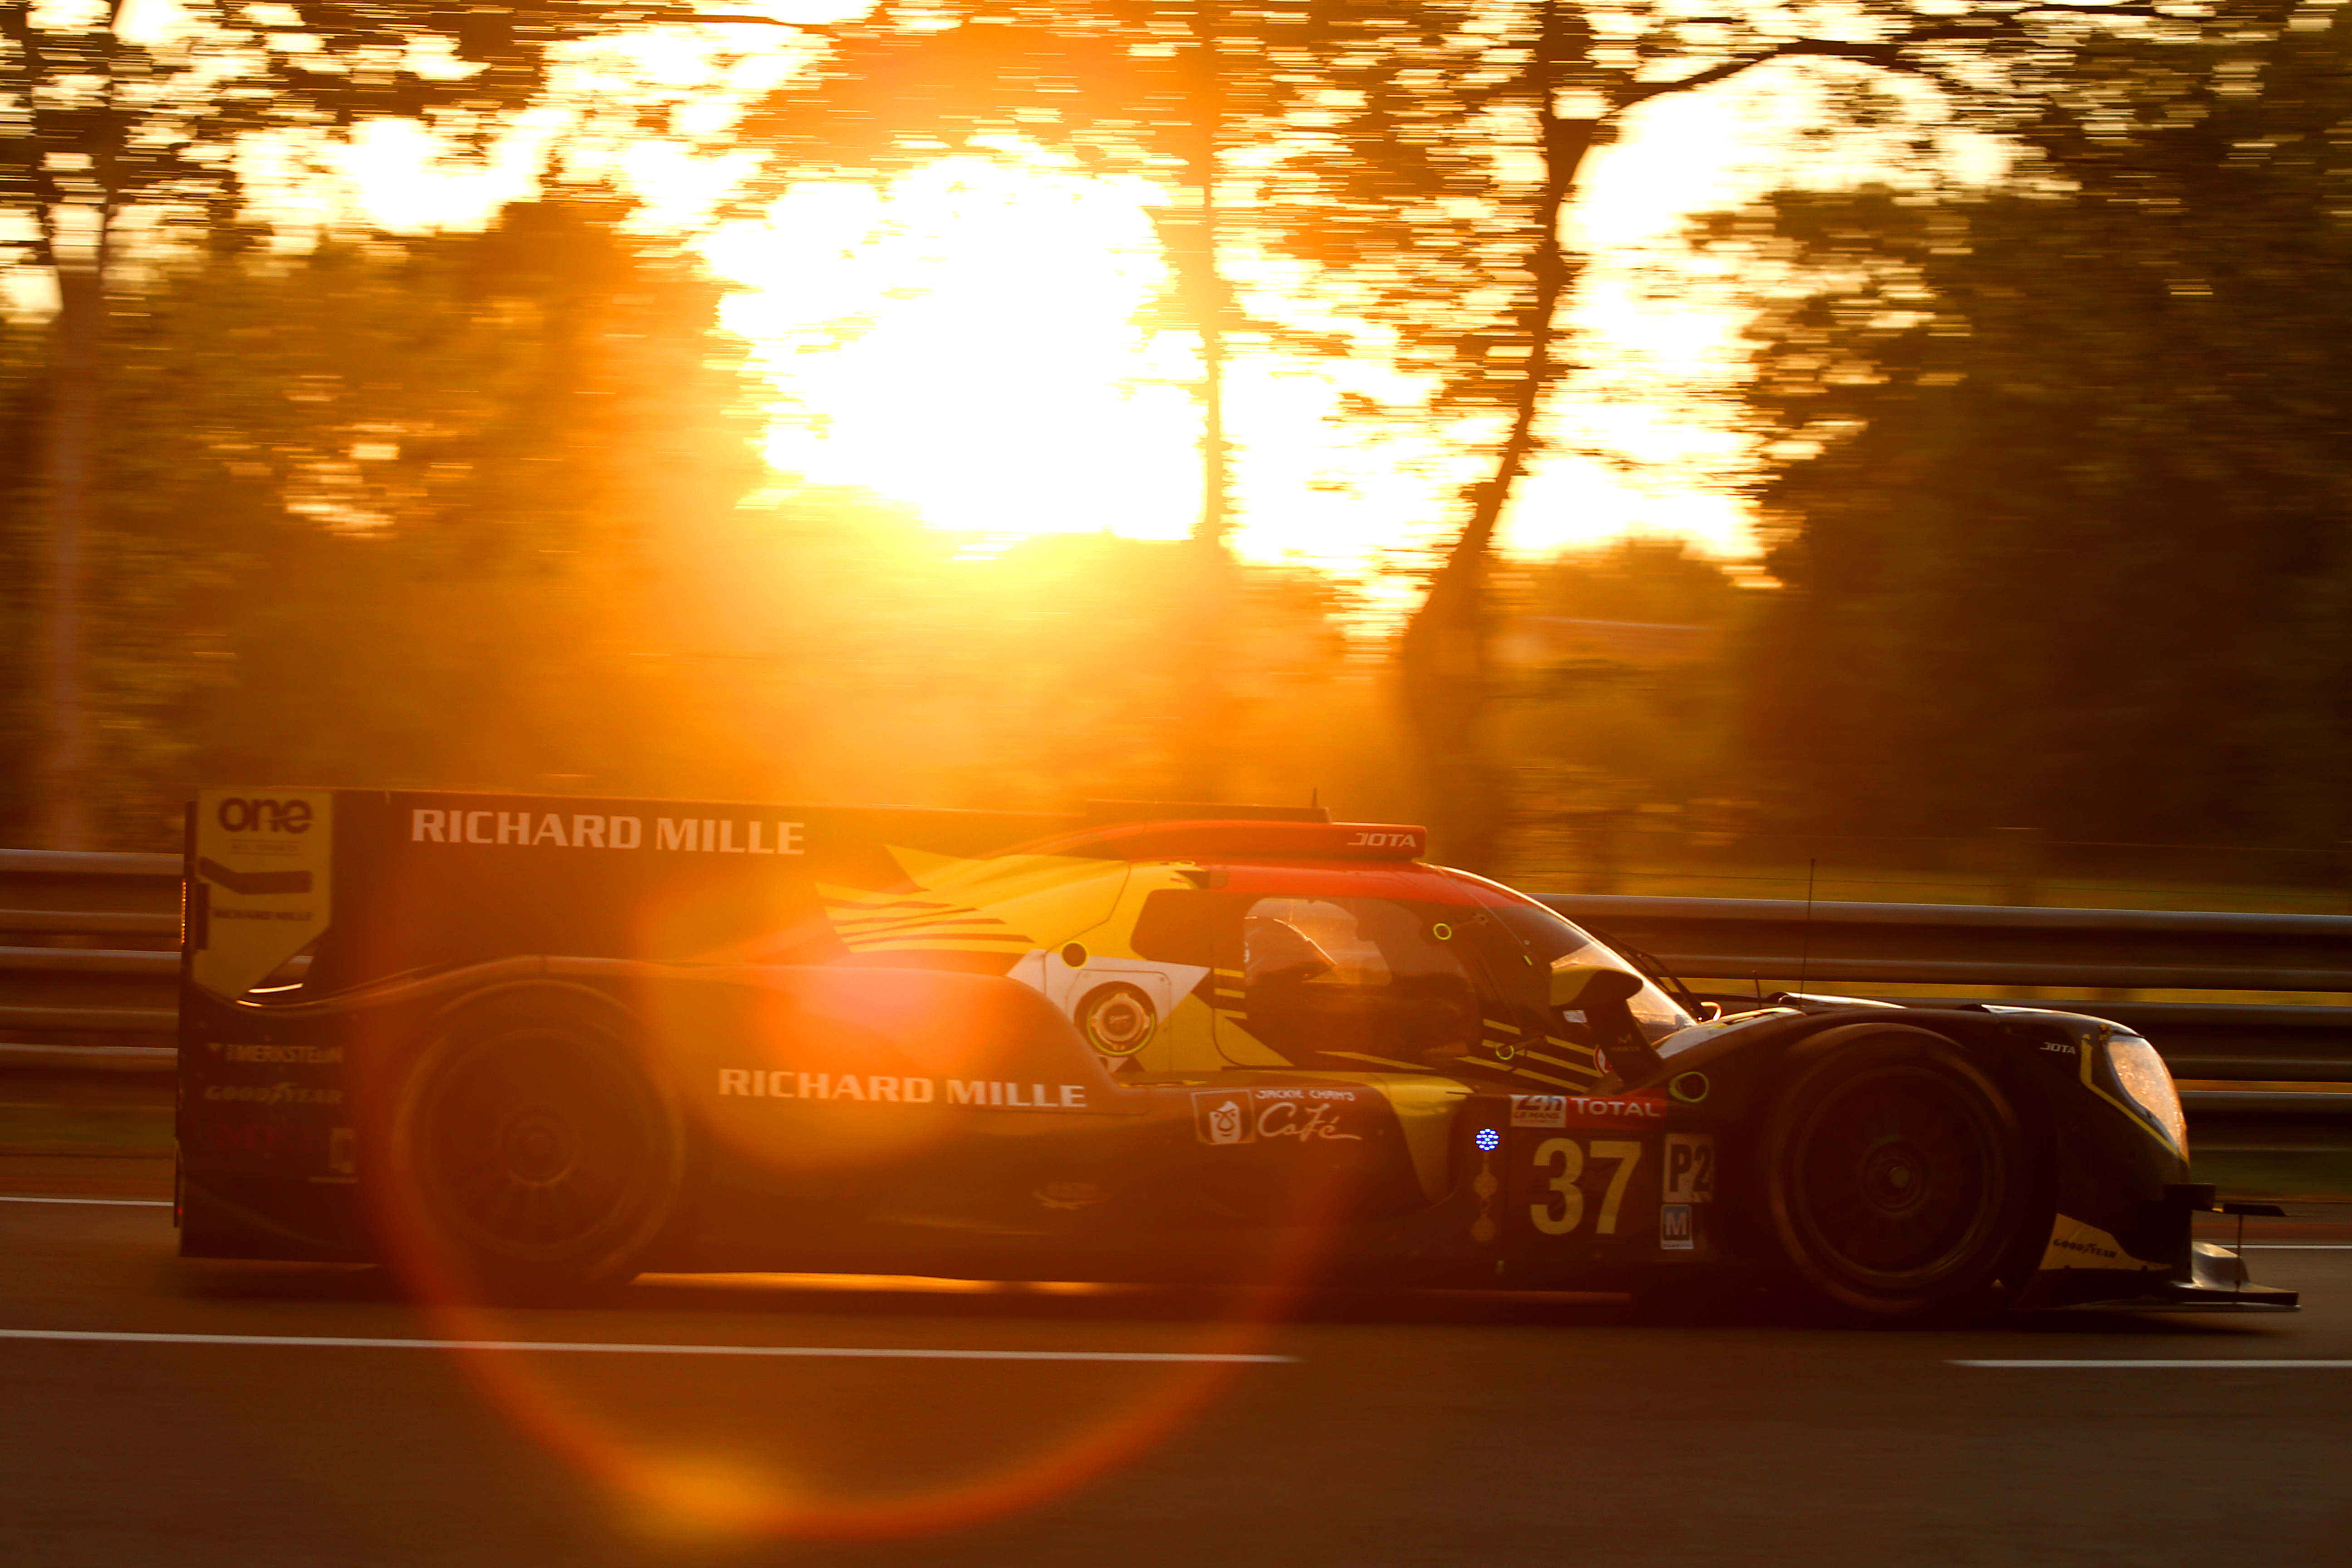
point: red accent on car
(1246, 841)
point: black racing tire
(1895, 1175)
(534, 1154)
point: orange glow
(716, 1492)
(721, 1487)
(907, 1284)
(725, 1494)
(965, 339)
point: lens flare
(699, 1484)
(713, 1492)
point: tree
(1419, 156)
(390, 514)
(2061, 468)
(1612, 661)
(1450, 182)
(109, 117)
(1127, 85)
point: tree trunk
(66, 776)
(1444, 660)
(1204, 744)
(65, 781)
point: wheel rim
(1897, 1180)
(537, 1146)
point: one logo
(1675, 1230)
(1223, 1116)
(238, 815)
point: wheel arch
(1769, 1068)
(402, 1071)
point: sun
(964, 340)
(969, 339)
(974, 339)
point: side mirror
(1591, 985)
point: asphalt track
(196, 1417)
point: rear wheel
(1895, 1176)
(533, 1155)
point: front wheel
(532, 1154)
(1895, 1176)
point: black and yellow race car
(519, 1045)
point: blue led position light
(1489, 1139)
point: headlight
(2141, 1077)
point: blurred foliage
(1633, 579)
(367, 515)
(2057, 488)
(868, 657)
(107, 108)
(1620, 700)
(22, 365)
(1406, 166)
(1410, 165)
(125, 132)
(1412, 155)
(2061, 469)
(483, 511)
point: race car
(518, 1046)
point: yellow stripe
(853, 901)
(921, 942)
(922, 922)
(1564, 1067)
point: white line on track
(108, 1202)
(2242, 1363)
(844, 1353)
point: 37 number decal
(1562, 1161)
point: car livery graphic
(517, 1045)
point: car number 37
(1562, 1162)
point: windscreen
(1556, 944)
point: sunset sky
(963, 339)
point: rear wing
(338, 889)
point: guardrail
(117, 986)
(62, 993)
(1971, 944)
(1780, 944)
